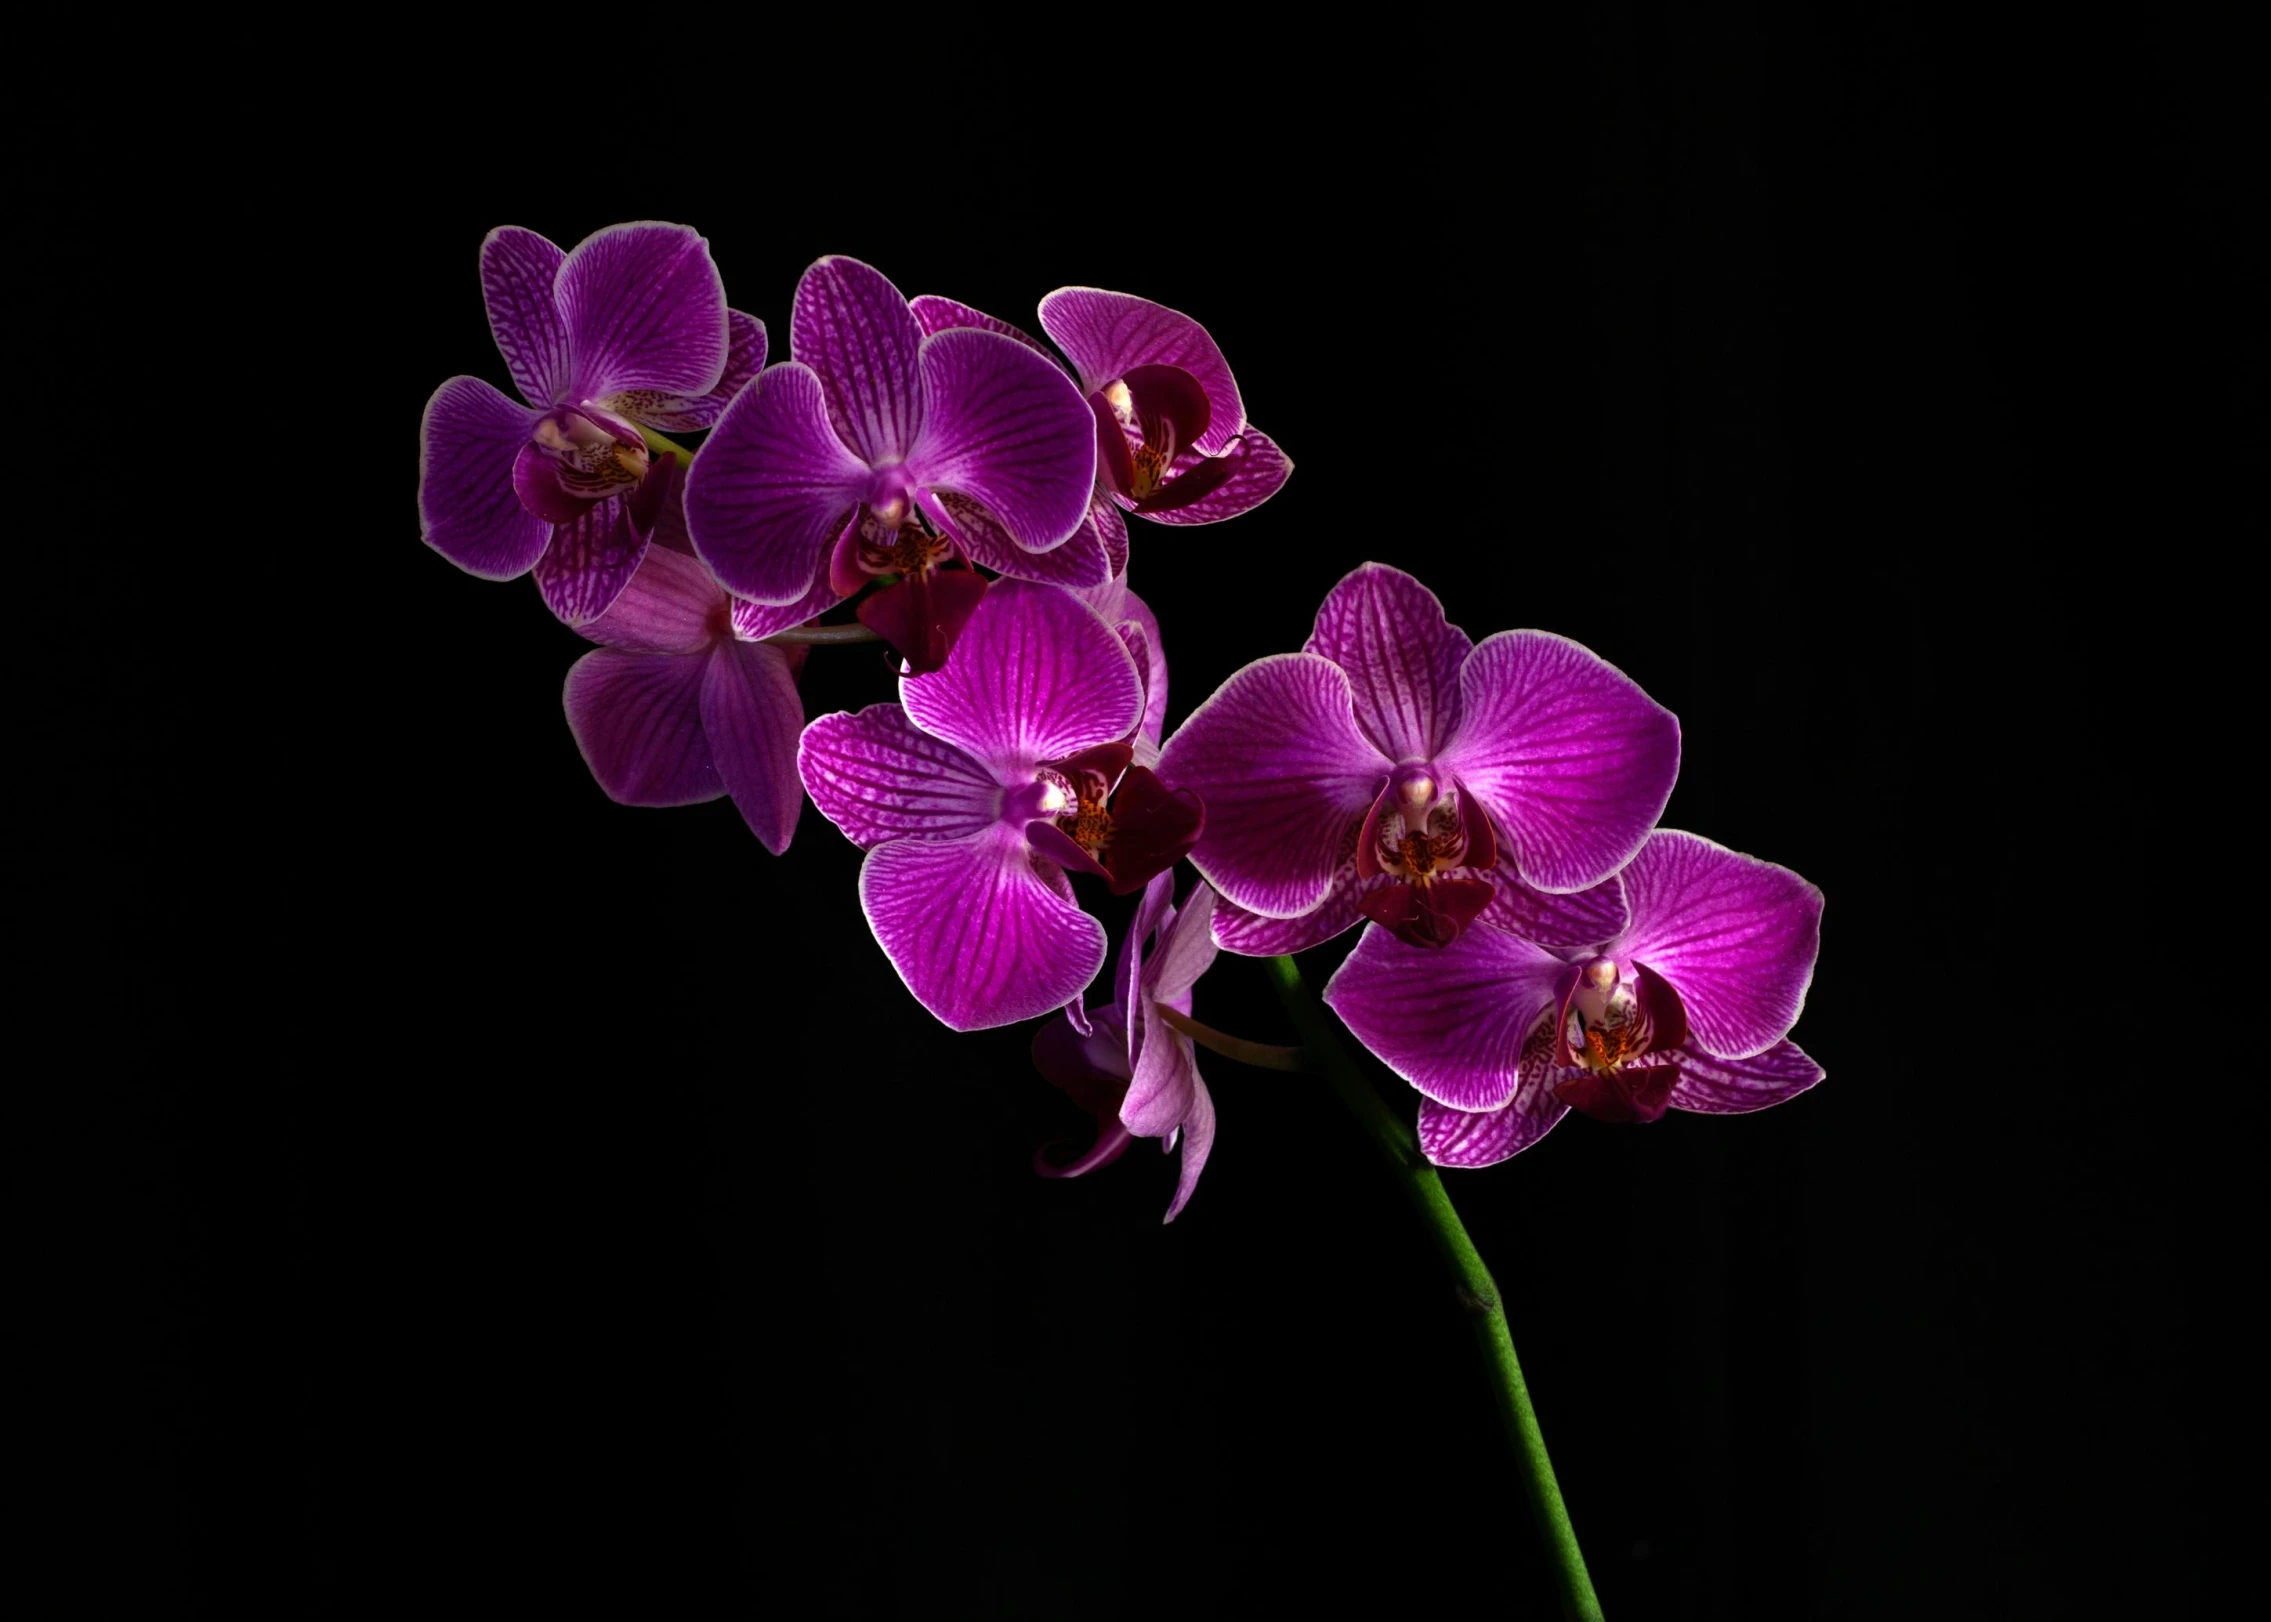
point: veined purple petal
(590, 561)
(1580, 919)
(1467, 1140)
(1164, 1086)
(1735, 937)
(1136, 612)
(935, 314)
(978, 934)
(637, 717)
(1079, 563)
(1737, 1086)
(772, 488)
(1276, 754)
(1007, 429)
(1451, 1020)
(1258, 469)
(467, 510)
(876, 777)
(1036, 676)
(753, 622)
(1107, 335)
(671, 605)
(852, 327)
(751, 714)
(644, 310)
(1185, 951)
(1111, 532)
(1198, 1141)
(518, 271)
(684, 413)
(1154, 911)
(1402, 658)
(1249, 934)
(1572, 760)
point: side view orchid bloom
(877, 451)
(1133, 1071)
(1397, 770)
(968, 797)
(1688, 1007)
(628, 328)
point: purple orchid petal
(1735, 936)
(1054, 844)
(876, 777)
(852, 327)
(753, 622)
(978, 934)
(1154, 912)
(1572, 760)
(1581, 919)
(1153, 659)
(1402, 658)
(1198, 1142)
(1737, 1086)
(772, 488)
(921, 617)
(1078, 564)
(1255, 470)
(670, 606)
(644, 310)
(1007, 429)
(1111, 533)
(537, 485)
(518, 272)
(752, 715)
(1035, 677)
(1249, 934)
(1165, 1091)
(1469, 1140)
(467, 510)
(1115, 458)
(1276, 755)
(681, 413)
(1451, 1020)
(1187, 489)
(590, 561)
(1170, 405)
(1185, 951)
(637, 717)
(1107, 335)
(935, 314)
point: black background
(625, 1240)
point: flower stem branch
(819, 635)
(1477, 1291)
(657, 444)
(1261, 1055)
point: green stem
(1261, 1055)
(657, 444)
(1476, 1290)
(818, 635)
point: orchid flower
(682, 702)
(1398, 771)
(630, 327)
(974, 793)
(875, 450)
(1134, 1072)
(1688, 1007)
(1169, 421)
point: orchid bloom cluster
(1485, 811)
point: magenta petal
(1107, 335)
(1276, 755)
(644, 310)
(670, 606)
(518, 271)
(538, 487)
(922, 616)
(876, 777)
(683, 413)
(752, 716)
(1402, 658)
(1572, 760)
(1078, 564)
(1035, 677)
(1581, 919)
(1154, 911)
(1467, 1140)
(852, 327)
(590, 561)
(977, 933)
(1006, 428)
(1185, 950)
(1254, 469)
(1451, 1020)
(466, 506)
(1735, 937)
(772, 488)
(1186, 489)
(935, 314)
(753, 622)
(1736, 1086)
(1251, 935)
(637, 717)
(1111, 533)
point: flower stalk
(1477, 1291)
(1261, 1055)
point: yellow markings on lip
(1150, 471)
(1090, 827)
